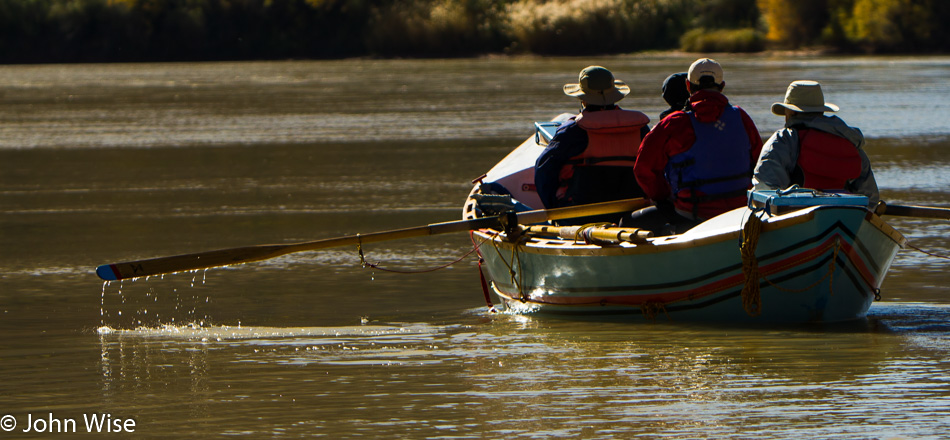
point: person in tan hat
(696, 164)
(591, 157)
(814, 150)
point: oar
(595, 233)
(226, 257)
(913, 211)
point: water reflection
(114, 162)
(147, 105)
(497, 376)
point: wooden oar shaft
(917, 211)
(226, 257)
(594, 233)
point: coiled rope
(751, 296)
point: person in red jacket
(696, 164)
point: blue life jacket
(717, 166)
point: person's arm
(650, 168)
(865, 184)
(776, 162)
(755, 139)
(568, 142)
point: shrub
(594, 26)
(722, 40)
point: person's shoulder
(568, 133)
(739, 109)
(783, 137)
(676, 118)
(671, 126)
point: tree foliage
(166, 30)
(868, 25)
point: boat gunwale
(567, 247)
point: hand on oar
(227, 257)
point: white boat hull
(820, 264)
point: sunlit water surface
(103, 163)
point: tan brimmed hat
(597, 86)
(805, 97)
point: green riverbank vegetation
(37, 31)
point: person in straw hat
(591, 157)
(696, 164)
(814, 150)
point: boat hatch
(793, 198)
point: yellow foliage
(870, 21)
(777, 15)
(794, 23)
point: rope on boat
(512, 271)
(376, 266)
(830, 275)
(945, 257)
(515, 260)
(650, 309)
(481, 275)
(751, 294)
(583, 232)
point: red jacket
(674, 135)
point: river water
(114, 162)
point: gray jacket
(780, 155)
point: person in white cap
(591, 157)
(814, 150)
(696, 164)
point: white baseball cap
(704, 67)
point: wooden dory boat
(805, 257)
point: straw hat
(805, 97)
(597, 86)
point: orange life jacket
(613, 138)
(827, 161)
